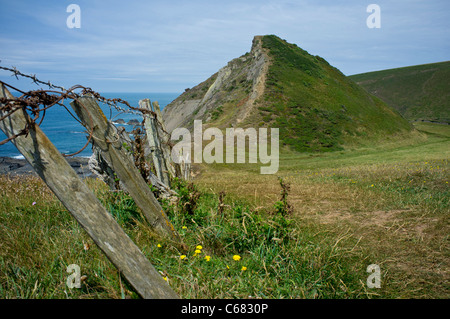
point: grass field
(386, 205)
(393, 199)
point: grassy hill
(277, 84)
(315, 106)
(420, 92)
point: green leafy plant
(188, 196)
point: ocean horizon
(69, 136)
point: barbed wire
(33, 77)
(109, 102)
(36, 102)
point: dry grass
(398, 210)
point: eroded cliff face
(227, 97)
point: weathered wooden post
(185, 164)
(165, 139)
(105, 137)
(153, 139)
(81, 202)
(159, 117)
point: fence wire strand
(37, 102)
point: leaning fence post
(81, 202)
(164, 141)
(157, 110)
(184, 164)
(113, 151)
(151, 128)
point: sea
(69, 136)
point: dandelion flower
(196, 252)
(207, 258)
(236, 257)
(228, 267)
(159, 246)
(244, 268)
(199, 247)
(165, 278)
(184, 227)
(182, 257)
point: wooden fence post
(185, 166)
(81, 202)
(165, 139)
(153, 139)
(113, 151)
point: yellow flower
(244, 268)
(184, 227)
(197, 252)
(371, 185)
(199, 247)
(228, 267)
(236, 257)
(182, 257)
(165, 278)
(159, 246)
(207, 258)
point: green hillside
(420, 92)
(315, 106)
(279, 85)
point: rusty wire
(33, 77)
(37, 102)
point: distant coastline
(18, 166)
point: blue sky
(167, 46)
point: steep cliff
(231, 92)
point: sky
(168, 46)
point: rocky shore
(16, 166)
